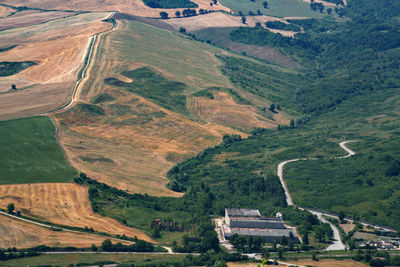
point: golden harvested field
(133, 7)
(225, 111)
(59, 48)
(134, 144)
(347, 227)
(64, 204)
(34, 100)
(329, 4)
(31, 17)
(218, 19)
(16, 233)
(5, 11)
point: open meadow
(29, 153)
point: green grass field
(29, 153)
(89, 259)
(276, 8)
(177, 57)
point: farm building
(249, 222)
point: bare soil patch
(19, 234)
(365, 236)
(135, 7)
(62, 203)
(347, 227)
(225, 111)
(31, 17)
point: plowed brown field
(64, 204)
(134, 7)
(19, 234)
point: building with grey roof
(249, 222)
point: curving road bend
(337, 243)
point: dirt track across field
(64, 204)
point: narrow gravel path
(337, 243)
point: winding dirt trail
(337, 244)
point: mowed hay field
(134, 7)
(64, 204)
(125, 140)
(59, 48)
(19, 234)
(29, 153)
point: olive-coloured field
(63, 204)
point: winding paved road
(337, 243)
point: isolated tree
(18, 213)
(241, 13)
(321, 7)
(106, 245)
(258, 24)
(244, 20)
(259, 12)
(93, 247)
(272, 107)
(215, 2)
(182, 30)
(10, 208)
(329, 10)
(164, 15)
(292, 123)
(305, 238)
(251, 13)
(265, 4)
(211, 4)
(178, 14)
(341, 215)
(265, 253)
(201, 11)
(13, 86)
